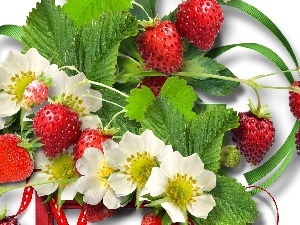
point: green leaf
(167, 123)
(84, 11)
(206, 134)
(193, 52)
(140, 13)
(181, 95)
(98, 44)
(51, 32)
(138, 102)
(233, 204)
(201, 65)
(216, 87)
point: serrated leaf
(167, 123)
(201, 64)
(108, 110)
(84, 11)
(206, 135)
(181, 95)
(217, 87)
(138, 102)
(233, 204)
(51, 32)
(98, 44)
(193, 52)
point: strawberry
(161, 47)
(15, 160)
(95, 213)
(89, 138)
(297, 136)
(9, 221)
(35, 94)
(230, 156)
(57, 127)
(151, 219)
(255, 134)
(154, 83)
(294, 100)
(199, 21)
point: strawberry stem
(5, 189)
(108, 87)
(130, 58)
(114, 117)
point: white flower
(93, 183)
(182, 181)
(59, 168)
(134, 157)
(16, 73)
(76, 93)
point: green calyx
(28, 144)
(149, 23)
(261, 111)
(46, 81)
(3, 212)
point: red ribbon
(273, 199)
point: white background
(238, 27)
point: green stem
(258, 99)
(271, 74)
(114, 117)
(108, 87)
(4, 189)
(130, 58)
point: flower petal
(174, 212)
(164, 154)
(120, 184)
(110, 200)
(115, 158)
(90, 121)
(170, 167)
(15, 62)
(206, 180)
(8, 106)
(191, 165)
(202, 206)
(131, 144)
(44, 189)
(69, 192)
(156, 183)
(91, 188)
(37, 63)
(90, 161)
(153, 144)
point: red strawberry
(15, 161)
(151, 219)
(294, 100)
(95, 213)
(297, 136)
(154, 83)
(89, 138)
(253, 137)
(161, 47)
(199, 21)
(58, 127)
(35, 94)
(9, 221)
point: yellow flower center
(62, 167)
(19, 84)
(104, 172)
(181, 190)
(139, 167)
(74, 103)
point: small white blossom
(182, 181)
(93, 183)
